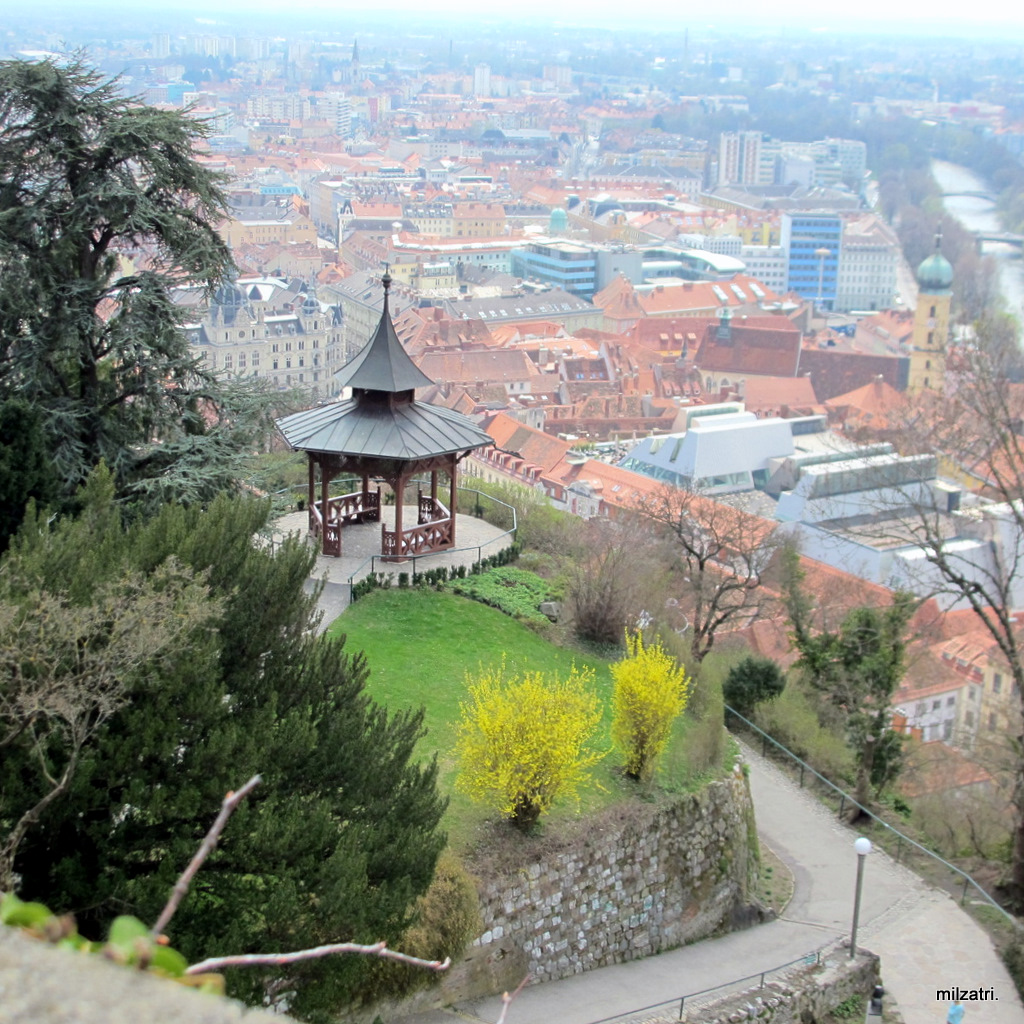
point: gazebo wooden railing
(430, 509)
(342, 510)
(433, 532)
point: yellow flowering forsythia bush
(524, 741)
(651, 691)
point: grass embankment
(420, 644)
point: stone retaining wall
(668, 874)
(805, 994)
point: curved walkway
(926, 941)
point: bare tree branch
(380, 949)
(506, 999)
(231, 801)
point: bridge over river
(982, 236)
(966, 194)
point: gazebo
(383, 434)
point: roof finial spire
(938, 237)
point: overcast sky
(1002, 19)
(955, 15)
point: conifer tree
(104, 211)
(338, 840)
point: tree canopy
(856, 669)
(343, 833)
(104, 211)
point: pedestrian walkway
(926, 941)
(475, 539)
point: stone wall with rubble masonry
(658, 877)
(807, 993)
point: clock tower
(931, 323)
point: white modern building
(857, 508)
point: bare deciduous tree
(973, 555)
(722, 554)
(617, 575)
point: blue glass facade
(814, 242)
(565, 266)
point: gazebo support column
(399, 486)
(453, 493)
(311, 491)
(331, 530)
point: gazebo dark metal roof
(409, 431)
(383, 365)
(383, 431)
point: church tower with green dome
(931, 323)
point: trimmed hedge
(435, 577)
(515, 592)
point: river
(980, 215)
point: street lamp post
(863, 848)
(822, 254)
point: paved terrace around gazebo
(361, 555)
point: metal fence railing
(676, 1009)
(901, 847)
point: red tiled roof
(765, 351)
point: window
(950, 702)
(287, 346)
(302, 345)
(255, 360)
(241, 360)
(947, 729)
(997, 683)
(969, 719)
(273, 347)
(936, 704)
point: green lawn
(420, 644)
